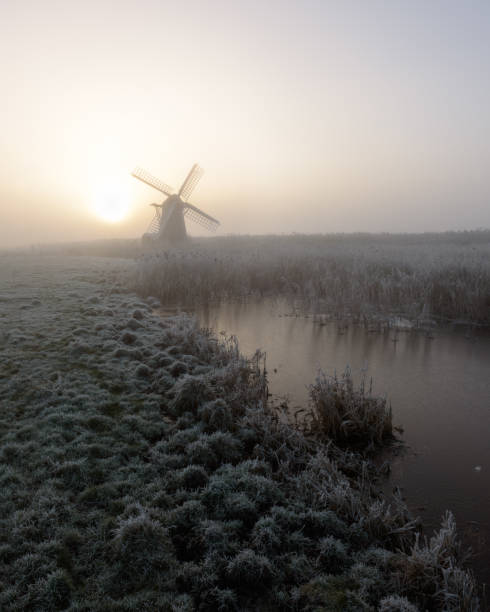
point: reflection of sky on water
(439, 389)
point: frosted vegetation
(425, 277)
(141, 469)
(346, 415)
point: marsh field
(151, 462)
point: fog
(307, 117)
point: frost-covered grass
(442, 276)
(347, 415)
(122, 247)
(141, 470)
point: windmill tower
(168, 223)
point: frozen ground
(140, 471)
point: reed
(347, 415)
(445, 277)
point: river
(438, 384)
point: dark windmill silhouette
(168, 223)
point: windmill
(168, 223)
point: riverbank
(141, 469)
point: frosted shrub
(432, 568)
(152, 430)
(348, 415)
(226, 446)
(52, 592)
(202, 453)
(219, 600)
(249, 570)
(128, 338)
(287, 518)
(73, 474)
(178, 368)
(333, 555)
(238, 506)
(221, 537)
(31, 568)
(267, 535)
(329, 592)
(11, 452)
(143, 371)
(323, 522)
(190, 513)
(177, 442)
(394, 603)
(371, 582)
(191, 477)
(163, 382)
(379, 557)
(217, 416)
(189, 393)
(141, 550)
(263, 490)
(297, 542)
(101, 496)
(298, 568)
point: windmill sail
(151, 180)
(154, 226)
(190, 182)
(201, 218)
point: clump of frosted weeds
(347, 415)
(249, 570)
(189, 393)
(52, 592)
(433, 567)
(394, 603)
(333, 555)
(141, 551)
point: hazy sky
(311, 116)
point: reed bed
(443, 277)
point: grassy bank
(141, 470)
(429, 276)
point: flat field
(142, 470)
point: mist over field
(314, 117)
(264, 387)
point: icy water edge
(438, 385)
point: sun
(110, 201)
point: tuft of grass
(249, 570)
(333, 556)
(141, 551)
(433, 570)
(395, 603)
(347, 415)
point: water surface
(438, 385)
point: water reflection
(439, 389)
